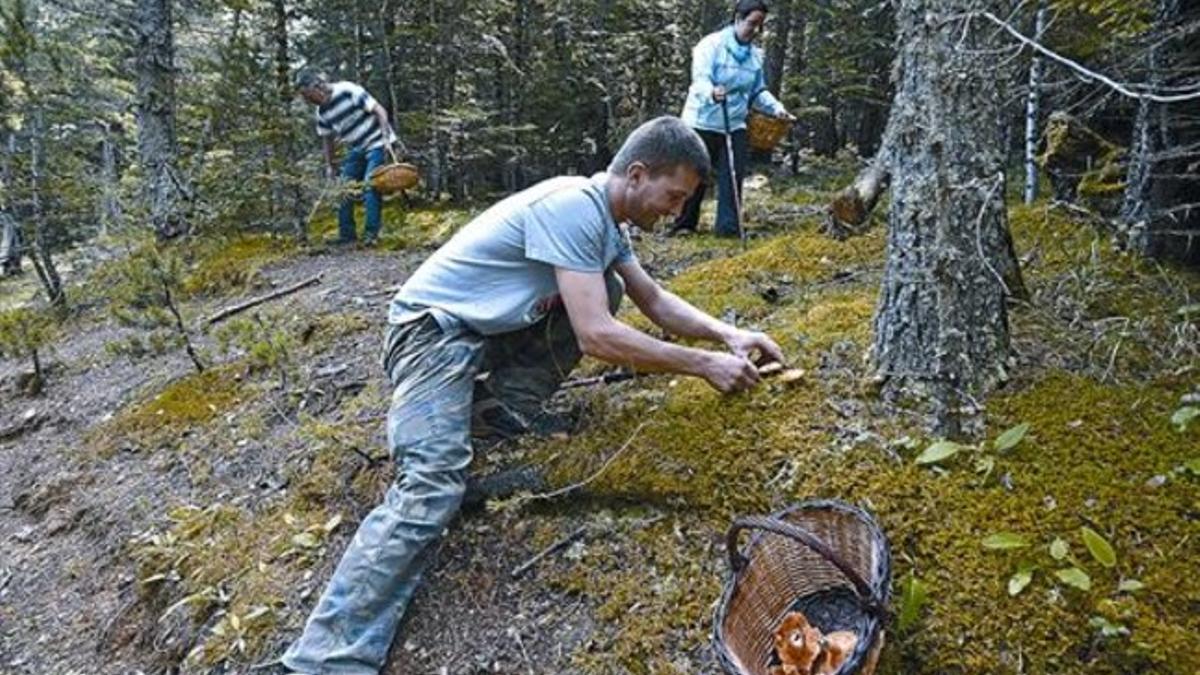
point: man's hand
(718, 93)
(748, 344)
(729, 373)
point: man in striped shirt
(347, 111)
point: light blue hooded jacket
(719, 59)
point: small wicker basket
(824, 558)
(394, 177)
(765, 131)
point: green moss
(243, 563)
(703, 458)
(1076, 273)
(187, 403)
(1092, 448)
(794, 260)
(403, 228)
(224, 264)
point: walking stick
(733, 178)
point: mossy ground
(1103, 357)
(1100, 431)
(409, 227)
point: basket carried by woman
(765, 131)
(394, 177)
(826, 559)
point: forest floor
(153, 519)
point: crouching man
(522, 292)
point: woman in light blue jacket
(727, 69)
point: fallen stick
(235, 309)
(31, 421)
(607, 378)
(584, 483)
(550, 550)
(390, 290)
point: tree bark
(1138, 203)
(777, 51)
(1033, 106)
(389, 62)
(110, 215)
(941, 328)
(360, 60)
(154, 63)
(286, 143)
(40, 254)
(11, 247)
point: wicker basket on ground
(825, 558)
(764, 131)
(394, 177)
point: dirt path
(67, 586)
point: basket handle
(737, 561)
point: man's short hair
(309, 79)
(743, 8)
(662, 144)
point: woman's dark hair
(743, 8)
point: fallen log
(254, 302)
(854, 203)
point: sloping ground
(200, 535)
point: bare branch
(1091, 74)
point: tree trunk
(1032, 106)
(110, 215)
(777, 50)
(11, 248)
(43, 263)
(285, 149)
(941, 328)
(386, 33)
(154, 63)
(1138, 205)
(360, 60)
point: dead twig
(560, 544)
(254, 302)
(390, 290)
(32, 421)
(604, 467)
(606, 378)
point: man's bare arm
(327, 148)
(605, 338)
(679, 317)
(385, 126)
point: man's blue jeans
(433, 370)
(358, 165)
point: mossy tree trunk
(154, 63)
(941, 327)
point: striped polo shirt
(348, 114)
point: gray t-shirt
(496, 274)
